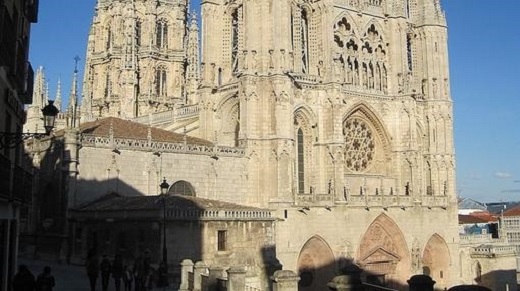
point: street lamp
(164, 192)
(163, 268)
(12, 139)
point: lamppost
(12, 139)
(164, 193)
(163, 268)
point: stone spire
(58, 99)
(72, 109)
(39, 99)
(192, 70)
(40, 96)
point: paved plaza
(68, 277)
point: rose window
(359, 144)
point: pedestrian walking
(45, 281)
(24, 280)
(92, 269)
(117, 271)
(128, 278)
(105, 268)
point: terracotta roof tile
(116, 202)
(515, 211)
(133, 130)
(468, 219)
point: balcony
(22, 186)
(5, 178)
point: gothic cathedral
(341, 110)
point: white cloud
(502, 175)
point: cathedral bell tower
(136, 57)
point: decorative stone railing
(468, 239)
(307, 199)
(491, 249)
(220, 214)
(170, 115)
(170, 147)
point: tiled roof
(515, 211)
(477, 217)
(122, 128)
(468, 219)
(116, 202)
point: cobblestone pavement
(68, 277)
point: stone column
(186, 268)
(214, 274)
(236, 279)
(420, 283)
(200, 268)
(285, 280)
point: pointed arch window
(109, 37)
(160, 82)
(304, 26)
(409, 54)
(301, 161)
(138, 27)
(161, 38)
(234, 40)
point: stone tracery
(359, 61)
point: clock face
(359, 144)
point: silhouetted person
(92, 269)
(45, 281)
(105, 267)
(142, 271)
(117, 271)
(128, 278)
(24, 280)
(162, 280)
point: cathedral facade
(333, 115)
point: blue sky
(485, 83)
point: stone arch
(374, 142)
(436, 257)
(383, 252)
(350, 20)
(304, 153)
(316, 264)
(182, 187)
(228, 112)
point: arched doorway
(383, 253)
(436, 259)
(316, 265)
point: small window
(221, 240)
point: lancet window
(301, 161)
(305, 41)
(300, 39)
(109, 37)
(160, 82)
(161, 38)
(138, 26)
(359, 61)
(234, 41)
(409, 52)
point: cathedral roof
(121, 128)
(117, 202)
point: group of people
(139, 277)
(24, 280)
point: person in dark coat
(24, 280)
(105, 268)
(117, 271)
(45, 281)
(92, 269)
(128, 278)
